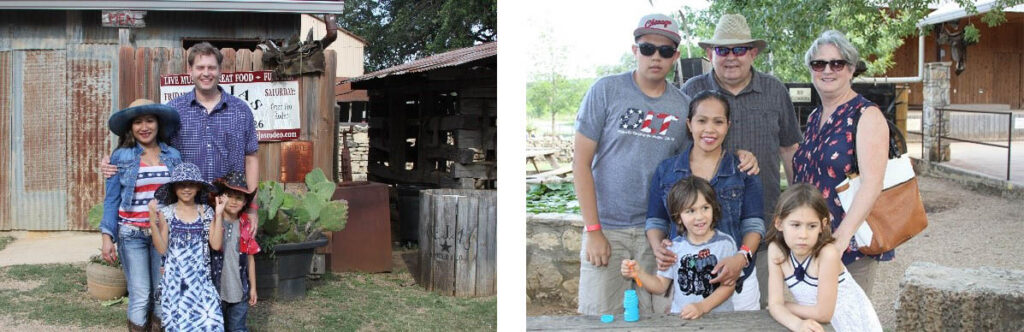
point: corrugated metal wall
(60, 80)
(5, 139)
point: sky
(593, 33)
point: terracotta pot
(105, 282)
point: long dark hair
(684, 194)
(797, 196)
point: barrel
(456, 240)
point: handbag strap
(897, 143)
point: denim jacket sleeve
(657, 216)
(752, 215)
(112, 200)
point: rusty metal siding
(37, 30)
(5, 138)
(166, 29)
(91, 76)
(39, 130)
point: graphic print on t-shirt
(647, 124)
(695, 273)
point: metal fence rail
(1009, 133)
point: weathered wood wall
(142, 68)
(995, 66)
(437, 128)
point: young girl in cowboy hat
(144, 161)
(233, 267)
(185, 229)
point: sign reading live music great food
(274, 104)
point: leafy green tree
(789, 27)
(555, 95)
(399, 31)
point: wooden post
(457, 241)
(902, 95)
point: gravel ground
(965, 229)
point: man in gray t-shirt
(626, 124)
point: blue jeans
(141, 263)
(234, 315)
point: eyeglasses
(737, 50)
(666, 51)
(837, 65)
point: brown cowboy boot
(136, 328)
(154, 323)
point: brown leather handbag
(898, 213)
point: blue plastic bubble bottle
(631, 304)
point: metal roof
(446, 59)
(952, 11)
(267, 6)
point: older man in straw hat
(763, 122)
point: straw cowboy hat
(184, 172)
(732, 29)
(121, 121)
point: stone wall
(939, 298)
(553, 258)
(358, 146)
(562, 143)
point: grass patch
(370, 302)
(336, 302)
(59, 300)
(5, 240)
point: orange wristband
(591, 228)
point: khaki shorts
(601, 288)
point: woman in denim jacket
(739, 193)
(144, 161)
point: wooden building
(433, 120)
(63, 73)
(994, 72)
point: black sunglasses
(837, 65)
(666, 51)
(737, 50)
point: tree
(399, 31)
(555, 95)
(789, 27)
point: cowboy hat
(184, 173)
(121, 121)
(235, 181)
(732, 29)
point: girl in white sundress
(803, 259)
(184, 231)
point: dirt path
(966, 229)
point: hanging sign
(123, 18)
(274, 104)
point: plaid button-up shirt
(216, 142)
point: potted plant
(291, 227)
(104, 281)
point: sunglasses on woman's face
(819, 65)
(737, 50)
(666, 51)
